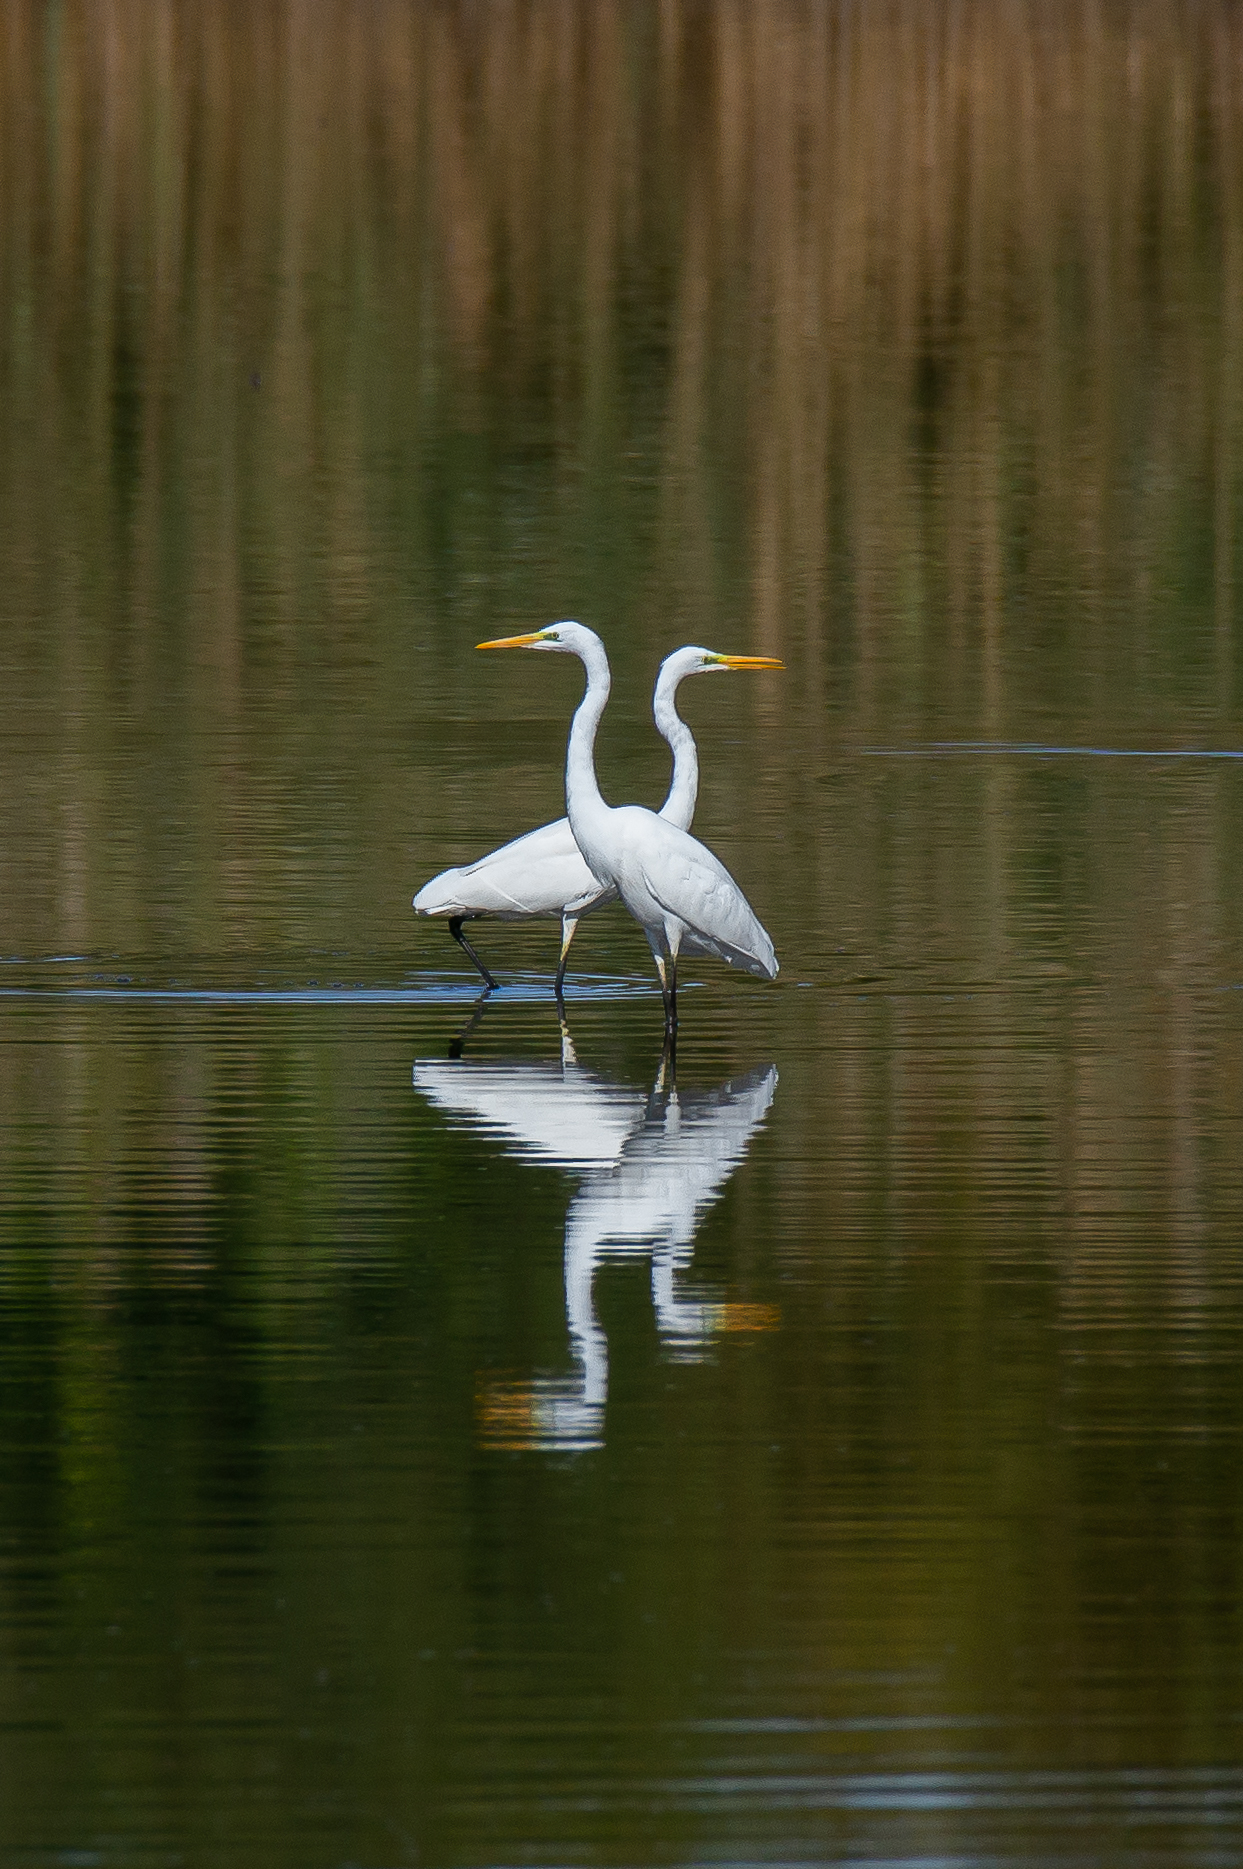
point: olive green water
(430, 1440)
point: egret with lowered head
(680, 894)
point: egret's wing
(544, 1112)
(686, 880)
(541, 873)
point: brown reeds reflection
(902, 306)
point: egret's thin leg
(569, 927)
(455, 929)
(672, 1011)
(664, 985)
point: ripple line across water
(938, 748)
(432, 993)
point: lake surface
(433, 1432)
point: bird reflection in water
(649, 1169)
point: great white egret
(679, 893)
(543, 873)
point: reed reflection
(650, 1168)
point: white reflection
(650, 1168)
(559, 1115)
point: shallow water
(435, 1432)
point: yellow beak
(750, 661)
(512, 642)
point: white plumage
(543, 872)
(539, 873)
(681, 895)
(674, 884)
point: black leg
(455, 929)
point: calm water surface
(434, 1434)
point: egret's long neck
(679, 807)
(582, 792)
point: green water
(432, 1436)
